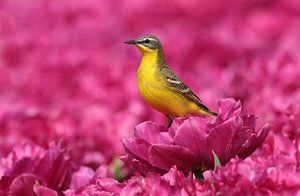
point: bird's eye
(146, 41)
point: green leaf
(116, 168)
(217, 162)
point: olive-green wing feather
(177, 85)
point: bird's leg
(169, 121)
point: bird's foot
(169, 121)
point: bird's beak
(131, 42)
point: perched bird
(159, 85)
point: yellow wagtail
(160, 87)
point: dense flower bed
(69, 101)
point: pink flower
(85, 176)
(99, 186)
(172, 183)
(256, 175)
(274, 169)
(190, 142)
(29, 168)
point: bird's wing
(177, 85)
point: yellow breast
(154, 90)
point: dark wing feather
(177, 85)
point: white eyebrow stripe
(150, 38)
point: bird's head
(146, 44)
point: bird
(161, 87)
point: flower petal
(220, 141)
(253, 142)
(81, 177)
(152, 133)
(228, 108)
(43, 191)
(138, 148)
(24, 184)
(192, 135)
(140, 166)
(165, 156)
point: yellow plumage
(160, 87)
(155, 91)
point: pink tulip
(29, 168)
(189, 143)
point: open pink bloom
(33, 170)
(99, 186)
(277, 174)
(85, 176)
(189, 143)
(172, 183)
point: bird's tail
(210, 113)
(204, 110)
(207, 113)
